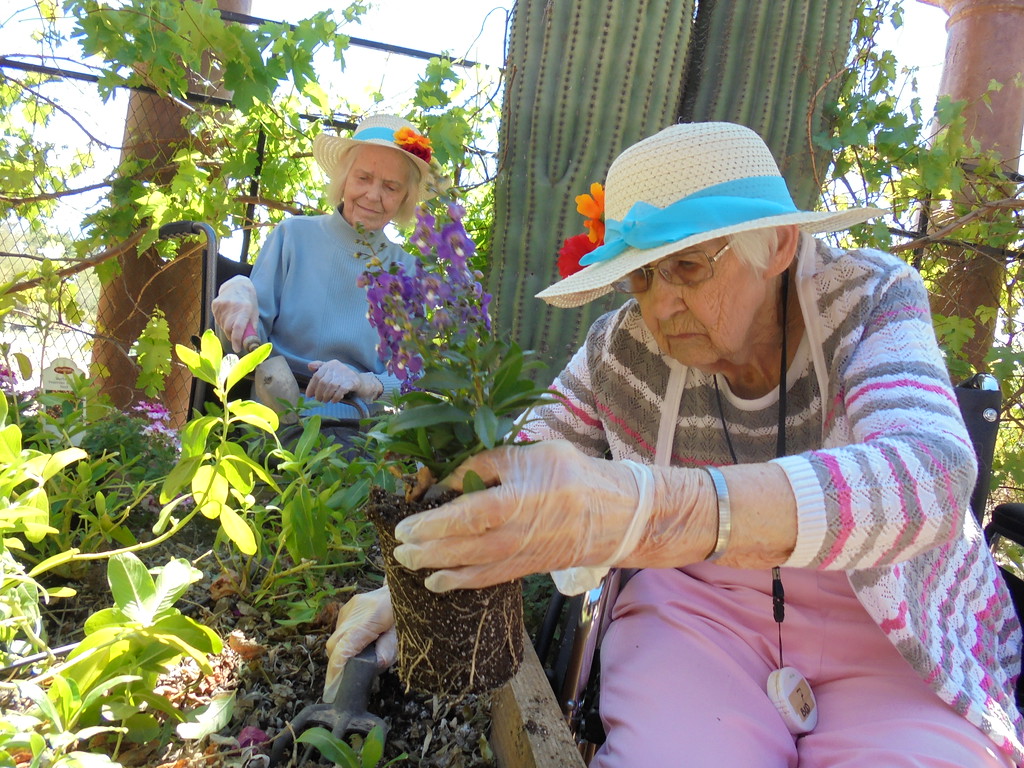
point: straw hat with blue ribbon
(381, 131)
(683, 186)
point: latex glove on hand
(235, 309)
(333, 380)
(362, 620)
(551, 507)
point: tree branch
(53, 195)
(1008, 203)
(86, 263)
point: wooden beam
(527, 728)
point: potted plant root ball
(463, 391)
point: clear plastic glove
(552, 508)
(235, 309)
(362, 620)
(333, 380)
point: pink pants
(681, 688)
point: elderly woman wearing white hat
(778, 415)
(303, 297)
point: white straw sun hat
(378, 130)
(685, 185)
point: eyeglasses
(689, 269)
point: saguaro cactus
(773, 67)
(587, 78)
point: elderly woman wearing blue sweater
(302, 296)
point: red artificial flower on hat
(573, 249)
(414, 143)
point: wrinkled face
(376, 187)
(714, 325)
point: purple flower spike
(437, 308)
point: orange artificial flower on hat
(574, 248)
(414, 143)
(591, 207)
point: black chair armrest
(1007, 522)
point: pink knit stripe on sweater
(842, 495)
(911, 310)
(581, 414)
(872, 386)
(621, 424)
(897, 622)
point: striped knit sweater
(880, 463)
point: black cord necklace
(778, 592)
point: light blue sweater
(310, 305)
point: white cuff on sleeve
(811, 521)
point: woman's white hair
(406, 211)
(755, 247)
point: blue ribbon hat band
(376, 132)
(723, 205)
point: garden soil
(273, 671)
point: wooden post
(527, 728)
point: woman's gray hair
(755, 247)
(406, 211)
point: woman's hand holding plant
(550, 507)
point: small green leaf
(472, 482)
(487, 425)
(330, 747)
(237, 530)
(256, 414)
(442, 380)
(373, 747)
(208, 719)
(210, 348)
(129, 580)
(52, 562)
(426, 416)
(247, 364)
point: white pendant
(792, 696)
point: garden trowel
(274, 384)
(347, 715)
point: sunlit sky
(475, 29)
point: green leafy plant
(465, 387)
(286, 511)
(24, 518)
(108, 497)
(368, 754)
(106, 684)
(220, 474)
